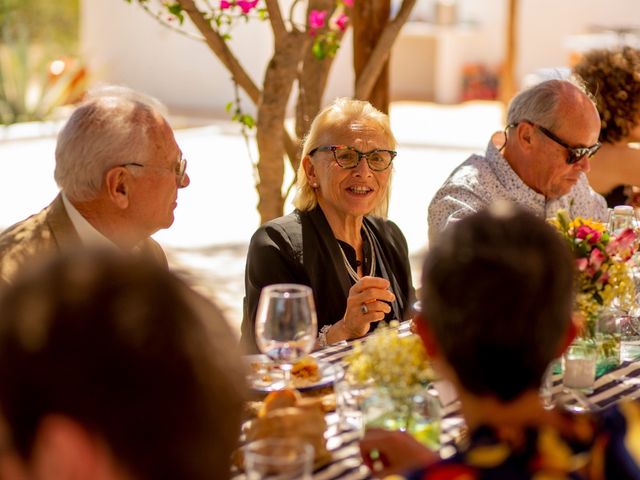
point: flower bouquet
(399, 368)
(603, 277)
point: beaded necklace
(352, 273)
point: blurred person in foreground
(613, 78)
(338, 241)
(119, 169)
(496, 310)
(107, 371)
(539, 161)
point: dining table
(620, 383)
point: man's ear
(524, 132)
(117, 183)
(428, 340)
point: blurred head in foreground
(497, 301)
(108, 371)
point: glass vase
(417, 413)
(608, 339)
(603, 328)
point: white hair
(113, 126)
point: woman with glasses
(337, 240)
(613, 78)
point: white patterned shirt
(480, 180)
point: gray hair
(539, 103)
(340, 114)
(113, 126)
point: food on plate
(305, 371)
(286, 415)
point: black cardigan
(301, 248)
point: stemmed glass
(286, 324)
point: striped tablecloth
(343, 444)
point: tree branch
(381, 52)
(218, 46)
(277, 24)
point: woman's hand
(365, 304)
(386, 452)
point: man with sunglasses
(119, 169)
(539, 161)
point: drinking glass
(286, 324)
(278, 459)
(579, 365)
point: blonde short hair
(342, 113)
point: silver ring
(364, 309)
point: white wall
(124, 45)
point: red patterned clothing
(605, 445)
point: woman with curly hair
(613, 78)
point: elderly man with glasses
(119, 169)
(539, 161)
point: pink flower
(224, 4)
(317, 19)
(581, 264)
(342, 21)
(622, 243)
(348, 3)
(246, 6)
(595, 259)
(592, 235)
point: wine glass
(286, 324)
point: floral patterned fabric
(598, 446)
(480, 180)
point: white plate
(265, 376)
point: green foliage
(34, 32)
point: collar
(510, 179)
(89, 235)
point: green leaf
(248, 121)
(318, 50)
(226, 37)
(228, 106)
(176, 10)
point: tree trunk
(382, 50)
(369, 20)
(507, 83)
(279, 77)
(312, 78)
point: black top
(301, 248)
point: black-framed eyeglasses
(180, 168)
(575, 153)
(349, 157)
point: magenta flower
(623, 244)
(317, 19)
(348, 3)
(342, 21)
(592, 235)
(224, 4)
(247, 6)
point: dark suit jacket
(301, 248)
(45, 234)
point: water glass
(351, 399)
(286, 324)
(630, 337)
(579, 366)
(278, 459)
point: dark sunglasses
(575, 153)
